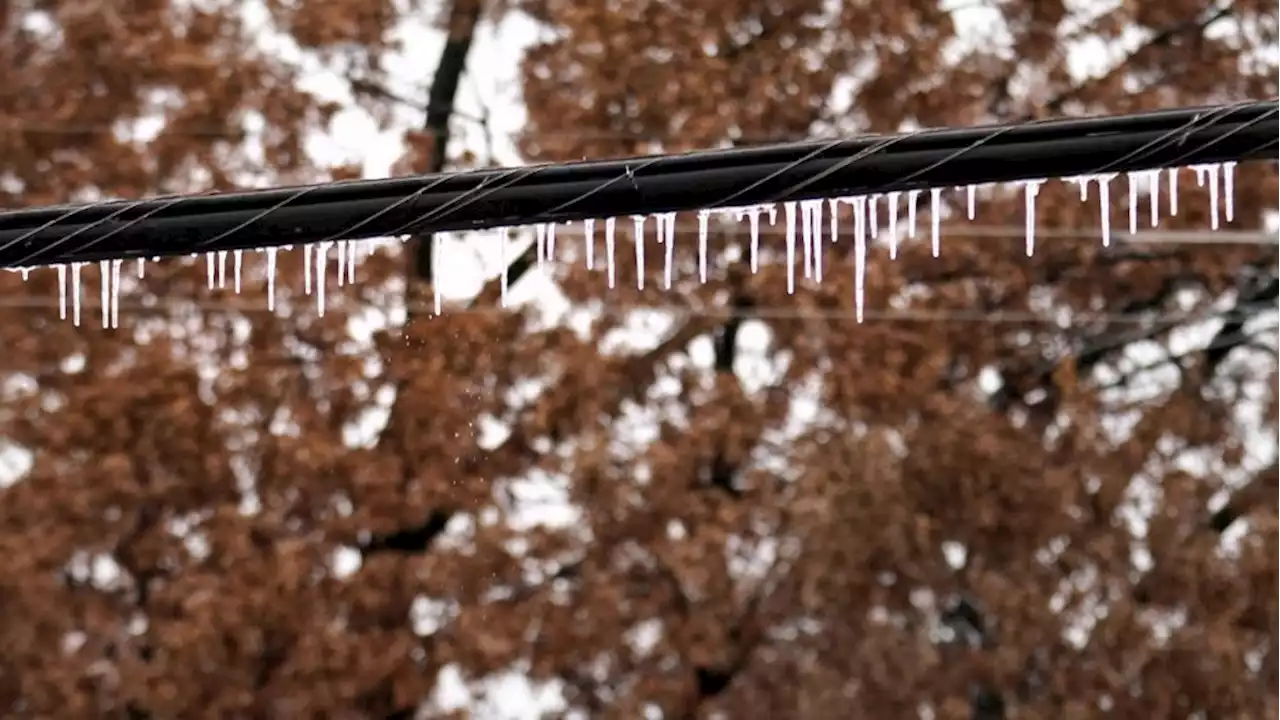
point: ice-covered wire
(475, 200)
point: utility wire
(919, 316)
(479, 199)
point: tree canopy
(1026, 487)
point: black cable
(180, 225)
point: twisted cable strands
(354, 210)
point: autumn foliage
(1027, 487)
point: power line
(351, 210)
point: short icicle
(704, 216)
(503, 279)
(1212, 172)
(306, 270)
(806, 238)
(1173, 192)
(1229, 190)
(1133, 203)
(1153, 180)
(815, 239)
(76, 285)
(790, 209)
(667, 231)
(609, 256)
(271, 279)
(142, 268)
(104, 267)
(859, 255)
(62, 292)
(638, 223)
(322, 258)
(753, 222)
(115, 292)
(873, 217)
(1104, 201)
(237, 267)
(342, 262)
(913, 197)
(210, 268)
(1031, 189)
(893, 226)
(589, 242)
(935, 218)
(436, 298)
(972, 192)
(222, 268)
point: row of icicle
(809, 215)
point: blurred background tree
(713, 500)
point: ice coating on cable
(807, 221)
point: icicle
(436, 298)
(1212, 171)
(271, 279)
(935, 217)
(753, 217)
(142, 268)
(608, 248)
(972, 192)
(540, 232)
(222, 268)
(1133, 203)
(342, 262)
(1083, 183)
(589, 242)
(913, 197)
(551, 241)
(638, 222)
(790, 209)
(704, 217)
(1030, 190)
(1153, 180)
(24, 273)
(873, 218)
(667, 232)
(115, 292)
(834, 206)
(893, 225)
(238, 263)
(322, 257)
(62, 292)
(104, 267)
(352, 249)
(859, 255)
(806, 238)
(502, 261)
(1199, 171)
(75, 297)
(814, 210)
(1229, 189)
(1104, 200)
(1173, 192)
(210, 269)
(306, 270)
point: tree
(774, 510)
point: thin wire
(41, 128)
(238, 306)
